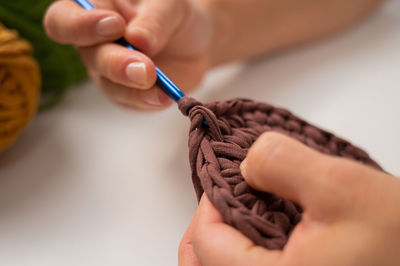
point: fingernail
(151, 97)
(109, 26)
(136, 72)
(243, 167)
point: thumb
(155, 22)
(283, 166)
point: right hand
(174, 34)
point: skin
(351, 214)
(185, 38)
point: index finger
(68, 23)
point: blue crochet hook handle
(162, 80)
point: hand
(186, 37)
(351, 214)
(174, 34)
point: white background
(92, 184)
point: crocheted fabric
(217, 149)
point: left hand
(351, 215)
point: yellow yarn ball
(19, 86)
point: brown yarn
(216, 151)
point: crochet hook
(162, 80)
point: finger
(216, 243)
(152, 99)
(283, 166)
(68, 23)
(155, 23)
(186, 255)
(120, 65)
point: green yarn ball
(60, 65)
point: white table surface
(92, 184)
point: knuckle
(185, 252)
(107, 61)
(273, 136)
(261, 155)
(197, 241)
(265, 146)
(342, 179)
(157, 26)
(198, 236)
(338, 172)
(182, 249)
(340, 184)
(75, 30)
(109, 66)
(117, 95)
(154, 27)
(131, 96)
